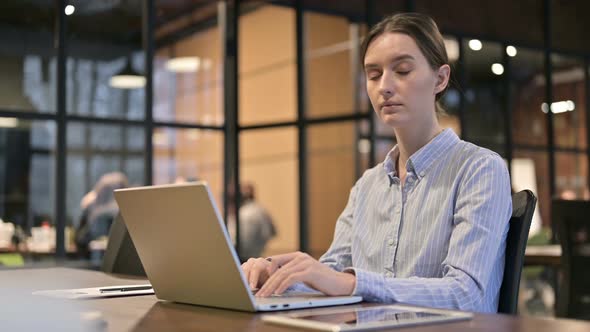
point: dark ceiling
(116, 24)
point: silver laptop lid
(183, 245)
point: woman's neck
(411, 139)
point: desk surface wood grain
(147, 313)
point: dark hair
(422, 29)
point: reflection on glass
(268, 160)
(527, 89)
(27, 166)
(484, 107)
(97, 149)
(331, 66)
(95, 96)
(28, 56)
(530, 170)
(267, 64)
(569, 114)
(331, 171)
(571, 175)
(100, 47)
(189, 154)
(188, 70)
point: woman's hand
(258, 270)
(300, 267)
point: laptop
(187, 253)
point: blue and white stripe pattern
(436, 241)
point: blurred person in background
(99, 210)
(256, 224)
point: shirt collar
(421, 160)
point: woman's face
(401, 84)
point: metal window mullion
(462, 83)
(355, 40)
(302, 127)
(587, 90)
(60, 164)
(148, 22)
(229, 12)
(549, 96)
(507, 109)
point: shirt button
(422, 174)
(389, 274)
(410, 180)
(390, 242)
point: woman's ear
(442, 78)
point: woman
(99, 210)
(428, 225)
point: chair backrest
(523, 206)
(571, 218)
(120, 255)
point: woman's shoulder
(473, 156)
(374, 171)
(471, 152)
(372, 175)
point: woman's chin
(394, 120)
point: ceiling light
(497, 69)
(188, 64)
(8, 122)
(69, 10)
(475, 44)
(559, 107)
(127, 79)
(452, 47)
(364, 145)
(511, 50)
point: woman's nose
(386, 88)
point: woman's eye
(373, 77)
(403, 73)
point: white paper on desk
(96, 292)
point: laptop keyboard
(290, 295)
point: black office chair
(572, 221)
(523, 206)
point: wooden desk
(546, 255)
(146, 313)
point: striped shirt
(436, 241)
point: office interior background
(269, 93)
